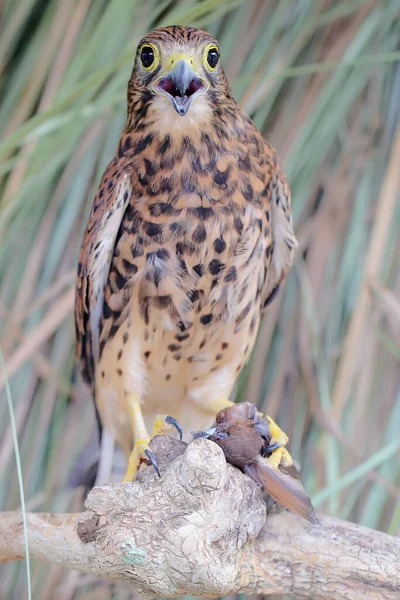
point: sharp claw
(150, 455)
(271, 448)
(175, 423)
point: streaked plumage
(189, 236)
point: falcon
(189, 238)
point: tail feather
(286, 490)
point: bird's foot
(279, 458)
(142, 451)
(278, 436)
(165, 423)
(278, 454)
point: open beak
(180, 85)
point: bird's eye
(213, 57)
(147, 56)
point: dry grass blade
(322, 81)
(40, 334)
(383, 221)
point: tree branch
(202, 529)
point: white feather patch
(101, 266)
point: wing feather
(286, 490)
(284, 240)
(95, 258)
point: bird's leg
(215, 406)
(279, 455)
(142, 450)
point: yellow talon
(277, 435)
(159, 426)
(280, 458)
(164, 423)
(137, 455)
(142, 451)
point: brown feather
(286, 490)
(95, 258)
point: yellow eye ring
(211, 57)
(149, 56)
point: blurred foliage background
(321, 79)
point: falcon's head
(178, 71)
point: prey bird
(244, 436)
(189, 238)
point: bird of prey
(189, 237)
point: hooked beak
(180, 85)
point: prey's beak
(180, 85)
(204, 434)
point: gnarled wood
(203, 529)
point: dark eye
(213, 57)
(147, 56)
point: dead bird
(244, 436)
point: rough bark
(203, 529)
